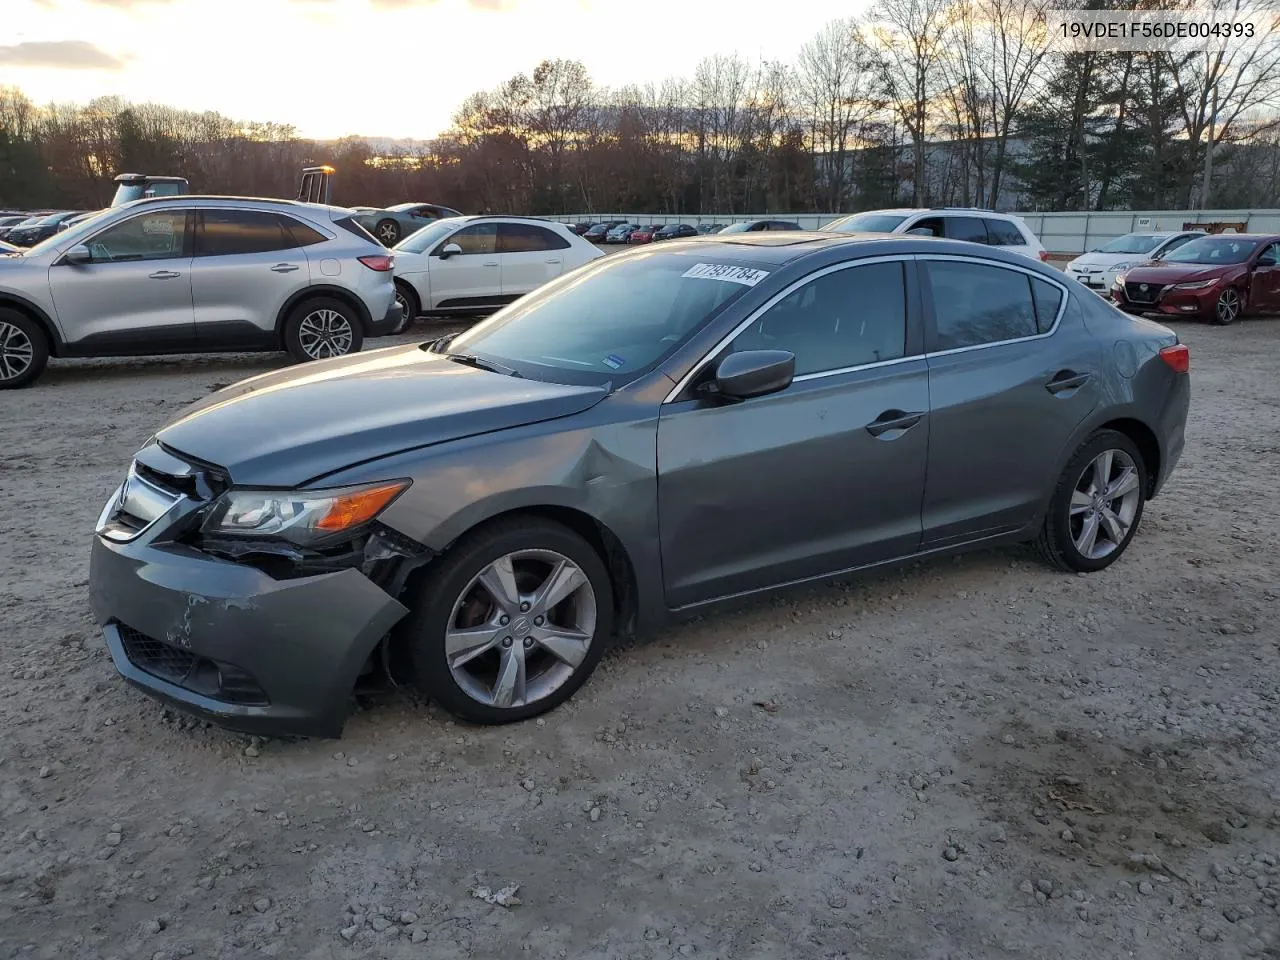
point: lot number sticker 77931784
(746, 276)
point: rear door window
(979, 303)
(231, 232)
(528, 238)
(971, 229)
(1002, 233)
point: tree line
(919, 102)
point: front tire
(1097, 505)
(387, 232)
(409, 305)
(1229, 307)
(510, 622)
(24, 350)
(322, 328)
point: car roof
(1259, 237)
(778, 249)
(217, 200)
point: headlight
(1196, 284)
(1121, 266)
(303, 517)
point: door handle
(1065, 380)
(492, 263)
(285, 267)
(553, 260)
(164, 275)
(896, 422)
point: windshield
(736, 228)
(867, 223)
(1220, 249)
(420, 241)
(54, 218)
(611, 322)
(1132, 243)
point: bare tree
(910, 38)
(839, 88)
(720, 85)
(1014, 32)
(1221, 90)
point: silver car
(196, 275)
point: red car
(1216, 278)
(645, 234)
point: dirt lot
(971, 759)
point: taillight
(1178, 357)
(379, 261)
(1044, 256)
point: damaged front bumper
(230, 642)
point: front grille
(157, 657)
(1134, 294)
(158, 480)
(209, 678)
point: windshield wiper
(471, 360)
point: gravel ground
(975, 758)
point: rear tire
(387, 232)
(470, 650)
(322, 328)
(1090, 522)
(24, 350)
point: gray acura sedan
(654, 432)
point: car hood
(285, 428)
(1106, 260)
(1163, 273)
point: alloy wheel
(521, 628)
(1228, 308)
(16, 351)
(325, 333)
(1104, 504)
(388, 233)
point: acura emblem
(1143, 288)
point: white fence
(1059, 232)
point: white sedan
(1098, 268)
(478, 264)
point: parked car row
(622, 231)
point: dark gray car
(650, 434)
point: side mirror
(1267, 261)
(448, 250)
(753, 373)
(78, 254)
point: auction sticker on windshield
(746, 276)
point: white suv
(1003, 230)
(477, 264)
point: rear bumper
(1173, 425)
(387, 324)
(228, 643)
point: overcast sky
(395, 68)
